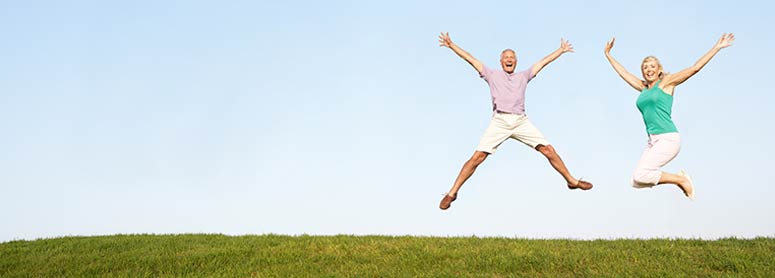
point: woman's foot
(687, 187)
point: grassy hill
(204, 255)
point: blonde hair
(662, 72)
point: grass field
(198, 255)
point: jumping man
(509, 119)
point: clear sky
(346, 117)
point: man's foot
(688, 187)
(580, 184)
(447, 201)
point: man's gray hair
(509, 50)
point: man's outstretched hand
(444, 40)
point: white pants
(662, 148)
(504, 126)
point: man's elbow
(695, 69)
(536, 68)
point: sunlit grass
(197, 255)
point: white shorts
(662, 148)
(504, 126)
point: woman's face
(651, 70)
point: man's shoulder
(486, 72)
(527, 74)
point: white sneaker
(690, 185)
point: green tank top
(655, 105)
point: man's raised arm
(565, 46)
(445, 41)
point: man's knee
(478, 158)
(546, 150)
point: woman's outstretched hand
(609, 45)
(725, 40)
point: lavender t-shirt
(507, 90)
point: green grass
(199, 255)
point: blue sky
(306, 117)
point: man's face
(508, 61)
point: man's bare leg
(556, 162)
(468, 169)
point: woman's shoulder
(664, 85)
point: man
(509, 119)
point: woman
(655, 103)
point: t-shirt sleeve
(485, 74)
(528, 74)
